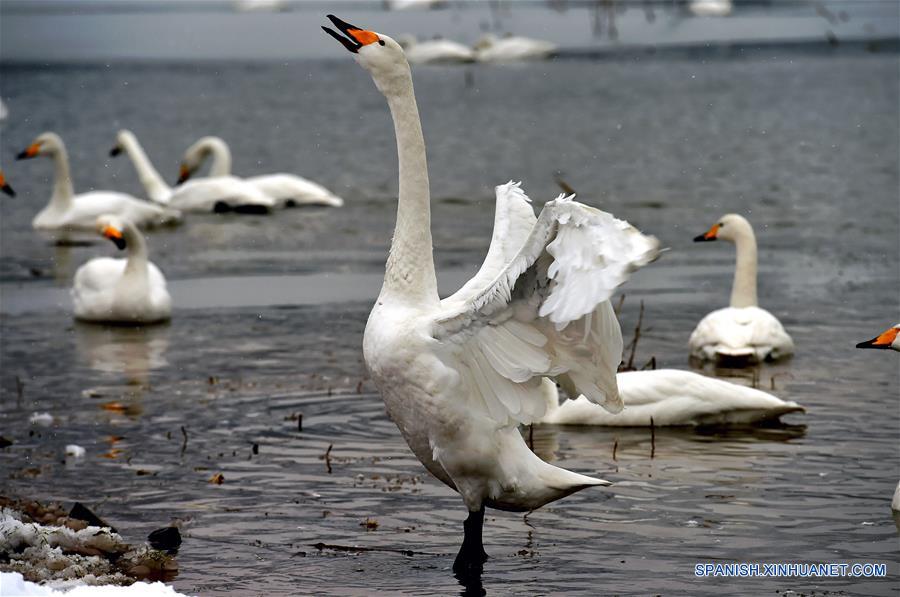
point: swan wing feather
(547, 314)
(514, 220)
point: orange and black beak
(115, 235)
(115, 151)
(5, 186)
(884, 341)
(355, 37)
(708, 236)
(184, 173)
(29, 152)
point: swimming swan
(458, 375)
(509, 49)
(887, 340)
(68, 211)
(742, 331)
(131, 290)
(672, 397)
(220, 194)
(435, 51)
(4, 186)
(287, 190)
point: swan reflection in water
(132, 351)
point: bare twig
(568, 190)
(651, 364)
(618, 308)
(531, 437)
(20, 388)
(615, 447)
(774, 375)
(184, 442)
(637, 336)
(358, 549)
(652, 439)
(328, 457)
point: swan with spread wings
(459, 375)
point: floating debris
(370, 523)
(75, 451)
(41, 419)
(217, 479)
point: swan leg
(471, 556)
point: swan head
(113, 228)
(887, 340)
(377, 53)
(4, 186)
(196, 155)
(122, 138)
(43, 144)
(729, 227)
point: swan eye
(380, 42)
(721, 224)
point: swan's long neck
(409, 274)
(743, 291)
(62, 183)
(136, 247)
(221, 157)
(150, 179)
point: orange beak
(355, 37)
(4, 186)
(183, 173)
(709, 235)
(30, 152)
(115, 235)
(883, 341)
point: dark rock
(81, 512)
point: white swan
(711, 8)
(886, 340)
(508, 49)
(742, 331)
(131, 290)
(68, 211)
(435, 51)
(458, 375)
(287, 190)
(672, 397)
(219, 194)
(4, 186)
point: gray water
(270, 313)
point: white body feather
(437, 51)
(740, 332)
(510, 49)
(289, 190)
(671, 397)
(80, 212)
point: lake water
(269, 315)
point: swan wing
(547, 314)
(513, 221)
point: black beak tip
(120, 243)
(22, 155)
(9, 190)
(700, 238)
(866, 344)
